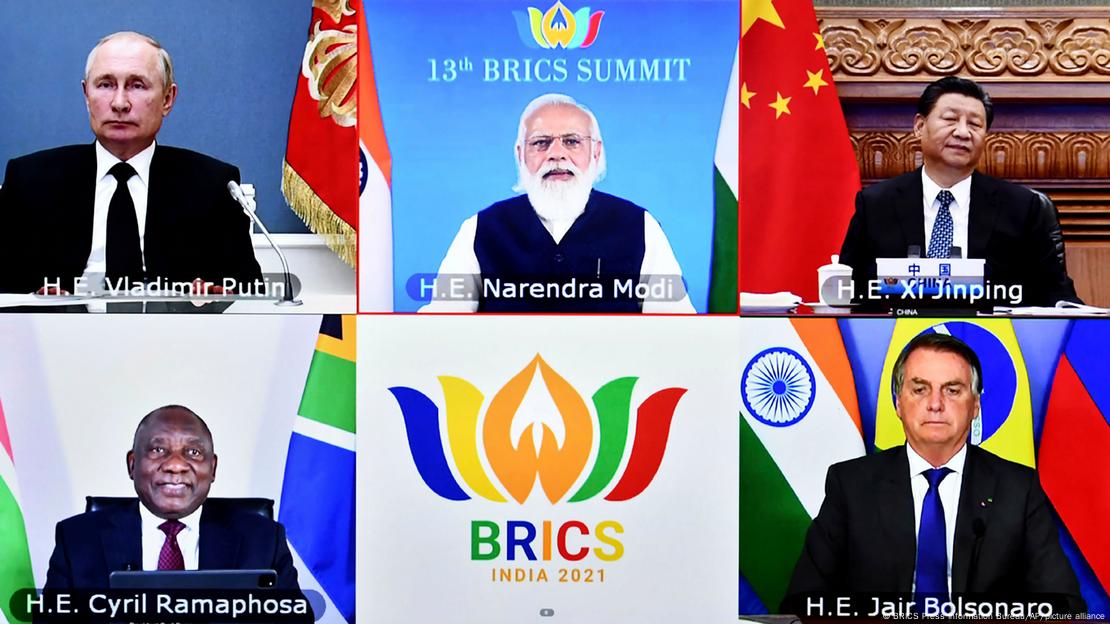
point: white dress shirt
(949, 497)
(106, 184)
(658, 260)
(959, 209)
(188, 540)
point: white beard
(558, 200)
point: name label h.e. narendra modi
(521, 447)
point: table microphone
(247, 205)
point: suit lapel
(896, 509)
(81, 199)
(976, 498)
(157, 188)
(121, 539)
(982, 214)
(219, 546)
(910, 208)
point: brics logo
(522, 446)
(516, 461)
(558, 27)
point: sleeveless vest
(604, 246)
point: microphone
(247, 205)
(913, 251)
(954, 252)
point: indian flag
(798, 416)
(15, 559)
(375, 212)
(726, 165)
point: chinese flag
(798, 173)
(320, 177)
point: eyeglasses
(571, 142)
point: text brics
(571, 541)
(557, 70)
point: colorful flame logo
(558, 27)
(512, 452)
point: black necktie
(123, 255)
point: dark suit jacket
(1006, 227)
(89, 546)
(863, 539)
(193, 226)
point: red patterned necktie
(171, 558)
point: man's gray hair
(165, 408)
(560, 99)
(167, 62)
(946, 344)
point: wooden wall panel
(1023, 51)
(1017, 156)
(1089, 266)
(1048, 71)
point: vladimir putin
(937, 517)
(124, 207)
(172, 462)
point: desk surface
(313, 304)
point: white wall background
(681, 544)
(73, 387)
(327, 283)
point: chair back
(260, 506)
(1052, 216)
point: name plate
(929, 276)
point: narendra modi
(562, 246)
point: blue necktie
(932, 553)
(941, 239)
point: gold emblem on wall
(335, 9)
(330, 65)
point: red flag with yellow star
(798, 173)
